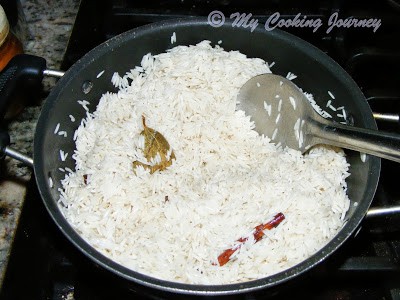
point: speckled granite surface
(45, 30)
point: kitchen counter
(45, 27)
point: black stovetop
(45, 265)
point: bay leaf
(154, 143)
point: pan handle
(22, 70)
(5, 150)
(375, 212)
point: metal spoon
(282, 112)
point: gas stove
(47, 266)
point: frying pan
(317, 74)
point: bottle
(10, 46)
(9, 43)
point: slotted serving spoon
(281, 111)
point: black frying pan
(316, 72)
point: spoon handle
(382, 144)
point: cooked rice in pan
(225, 178)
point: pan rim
(174, 287)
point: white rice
(316, 107)
(297, 129)
(226, 178)
(75, 135)
(291, 76)
(268, 108)
(280, 105)
(344, 113)
(274, 134)
(301, 138)
(57, 128)
(63, 155)
(332, 107)
(173, 38)
(63, 133)
(293, 102)
(277, 118)
(328, 103)
(100, 74)
(84, 104)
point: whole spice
(155, 145)
(257, 233)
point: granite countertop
(45, 27)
